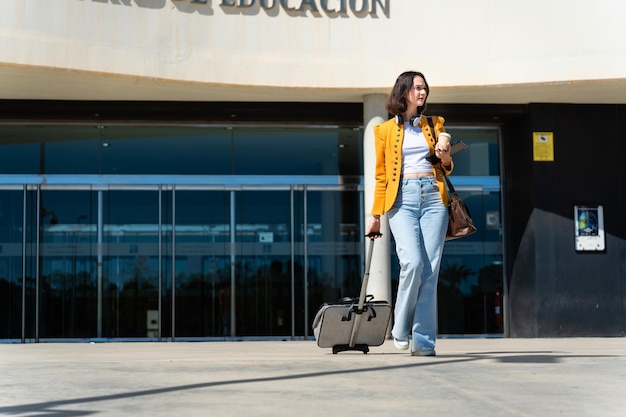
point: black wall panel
(553, 289)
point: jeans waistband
(422, 178)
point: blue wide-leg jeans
(418, 222)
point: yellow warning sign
(543, 146)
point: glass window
(481, 157)
(72, 157)
(297, 151)
(179, 150)
(19, 158)
(153, 150)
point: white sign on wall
(589, 228)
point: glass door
(264, 278)
(133, 280)
(68, 281)
(471, 282)
(15, 286)
(160, 262)
(202, 301)
(333, 247)
(471, 277)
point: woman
(412, 191)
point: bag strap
(451, 189)
(443, 171)
(433, 159)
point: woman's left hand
(443, 153)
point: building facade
(198, 169)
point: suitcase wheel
(343, 348)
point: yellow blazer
(388, 137)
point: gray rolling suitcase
(353, 323)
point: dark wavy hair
(396, 102)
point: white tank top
(415, 150)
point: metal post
(99, 260)
(173, 258)
(233, 324)
(25, 190)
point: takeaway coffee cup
(444, 138)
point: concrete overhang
(35, 83)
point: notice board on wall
(543, 146)
(589, 227)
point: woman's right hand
(373, 226)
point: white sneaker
(402, 344)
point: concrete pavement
(469, 377)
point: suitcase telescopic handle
(363, 295)
(368, 263)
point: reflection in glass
(166, 150)
(301, 151)
(203, 278)
(481, 157)
(263, 272)
(68, 280)
(471, 271)
(130, 263)
(334, 247)
(179, 150)
(278, 251)
(11, 282)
